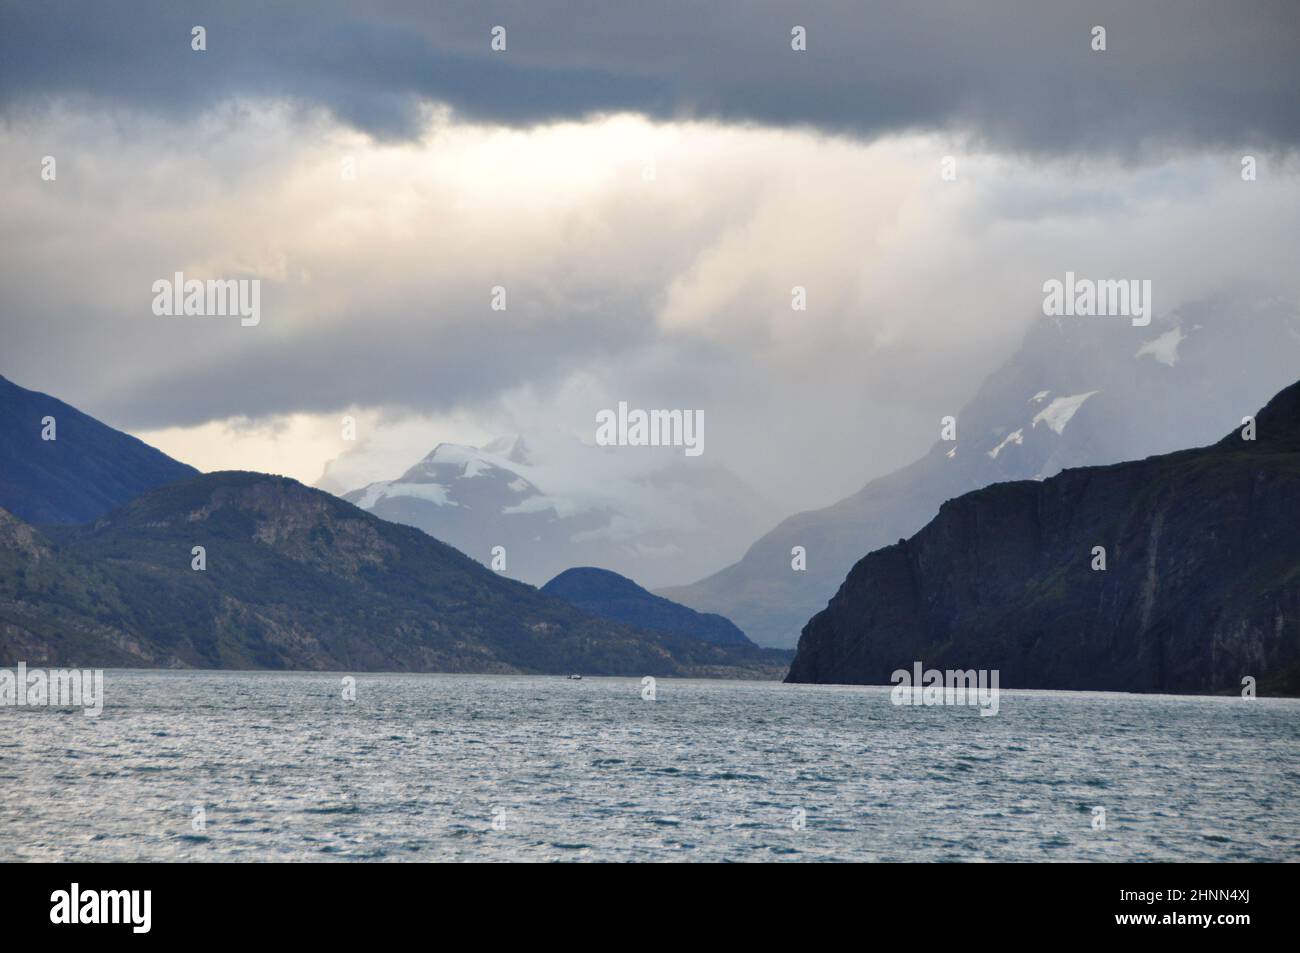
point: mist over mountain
(1079, 391)
(246, 570)
(82, 471)
(1199, 588)
(552, 503)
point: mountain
(297, 579)
(608, 595)
(552, 502)
(85, 471)
(1201, 585)
(1078, 392)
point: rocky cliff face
(1076, 394)
(1201, 585)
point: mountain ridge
(566, 504)
(297, 579)
(606, 594)
(85, 471)
(1120, 394)
(1201, 586)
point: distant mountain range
(608, 595)
(97, 531)
(97, 567)
(1078, 392)
(1200, 588)
(81, 474)
(552, 503)
(297, 579)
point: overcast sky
(647, 181)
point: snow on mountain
(434, 493)
(554, 502)
(1164, 348)
(1099, 400)
(1016, 436)
(1058, 413)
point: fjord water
(444, 767)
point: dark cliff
(1201, 586)
(1130, 406)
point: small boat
(575, 678)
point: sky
(647, 183)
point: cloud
(647, 262)
(1011, 75)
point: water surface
(444, 767)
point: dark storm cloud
(370, 73)
(1016, 76)
(408, 364)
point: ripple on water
(497, 768)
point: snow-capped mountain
(553, 503)
(1080, 391)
